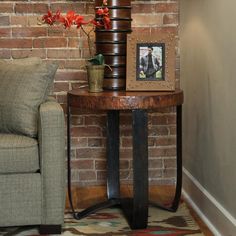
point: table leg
(174, 205)
(136, 209)
(113, 181)
(113, 144)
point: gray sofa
(32, 152)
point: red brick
(155, 163)
(124, 164)
(91, 153)
(73, 42)
(167, 7)
(162, 152)
(158, 130)
(70, 75)
(78, 85)
(125, 130)
(6, 8)
(87, 175)
(89, 8)
(168, 173)
(72, 32)
(4, 20)
(31, 8)
(49, 42)
(143, 8)
(29, 32)
(170, 19)
(77, 120)
(101, 175)
(165, 140)
(61, 98)
(55, 31)
(34, 21)
(154, 174)
(61, 63)
(163, 119)
(15, 43)
(126, 153)
(172, 130)
(79, 8)
(22, 53)
(86, 131)
(24, 8)
(79, 142)
(5, 54)
(95, 120)
(5, 32)
(64, 53)
(82, 164)
(167, 29)
(75, 64)
(61, 86)
(96, 142)
(169, 163)
(147, 19)
(19, 20)
(100, 164)
(128, 141)
(125, 174)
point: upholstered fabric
(52, 148)
(20, 197)
(23, 88)
(37, 198)
(18, 154)
(32, 146)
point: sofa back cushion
(24, 85)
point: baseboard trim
(215, 216)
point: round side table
(139, 103)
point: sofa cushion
(24, 85)
(18, 154)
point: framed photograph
(150, 62)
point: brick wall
(21, 36)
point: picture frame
(150, 61)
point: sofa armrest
(52, 161)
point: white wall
(208, 78)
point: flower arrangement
(102, 20)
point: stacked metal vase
(112, 43)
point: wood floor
(87, 196)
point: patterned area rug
(111, 222)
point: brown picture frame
(161, 75)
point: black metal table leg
(175, 203)
(113, 181)
(136, 209)
(113, 165)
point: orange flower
(71, 18)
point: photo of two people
(150, 61)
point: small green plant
(97, 60)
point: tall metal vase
(112, 43)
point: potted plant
(96, 65)
(95, 72)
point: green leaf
(97, 60)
